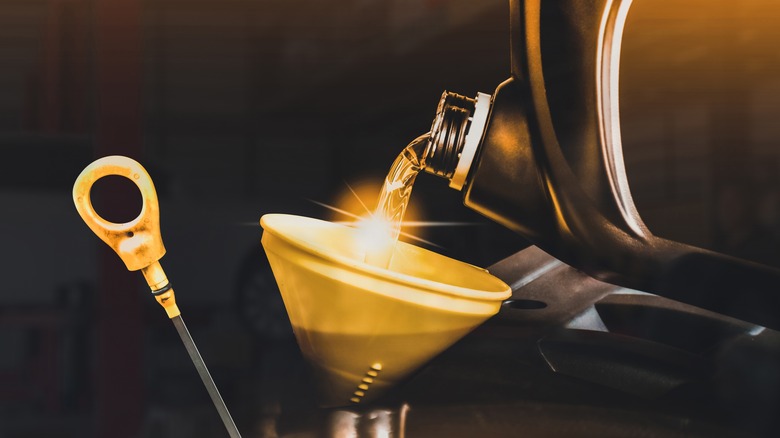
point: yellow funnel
(365, 328)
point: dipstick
(139, 244)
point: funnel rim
(267, 222)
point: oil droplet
(136, 176)
(377, 366)
(363, 386)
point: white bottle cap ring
(473, 139)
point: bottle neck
(455, 136)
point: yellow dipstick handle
(138, 242)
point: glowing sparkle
(374, 237)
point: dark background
(243, 107)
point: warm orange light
(355, 322)
(358, 200)
(374, 238)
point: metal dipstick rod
(139, 244)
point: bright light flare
(359, 197)
(374, 240)
(357, 219)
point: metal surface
(373, 423)
(550, 292)
(596, 360)
(649, 366)
(205, 376)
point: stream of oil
(394, 198)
